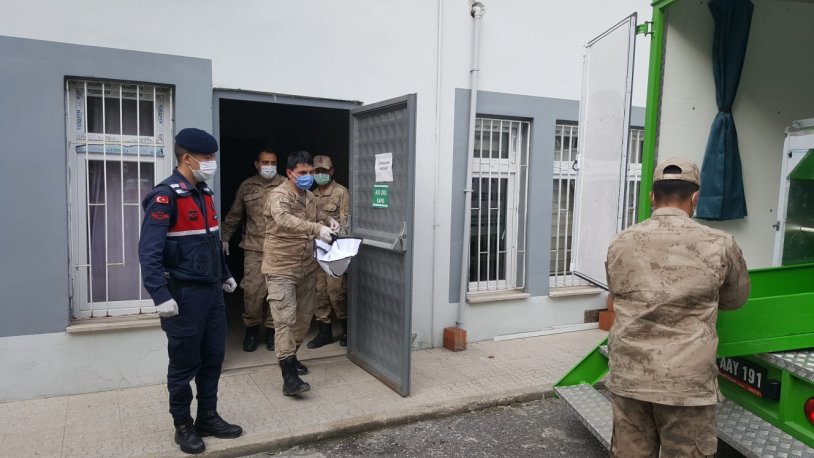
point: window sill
(568, 291)
(496, 296)
(114, 323)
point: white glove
(334, 225)
(230, 285)
(225, 246)
(167, 309)
(325, 234)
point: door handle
(399, 243)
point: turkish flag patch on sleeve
(162, 199)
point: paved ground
(344, 400)
(539, 428)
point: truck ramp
(744, 431)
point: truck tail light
(809, 410)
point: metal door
(382, 166)
(604, 125)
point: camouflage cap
(688, 171)
(323, 162)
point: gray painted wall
(34, 265)
(543, 113)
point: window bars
(562, 216)
(116, 153)
(497, 259)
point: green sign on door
(381, 196)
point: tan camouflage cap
(323, 162)
(688, 168)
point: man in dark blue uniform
(184, 270)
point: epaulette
(179, 191)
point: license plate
(749, 376)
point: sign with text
(381, 196)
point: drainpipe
(439, 48)
(477, 10)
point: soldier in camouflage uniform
(669, 277)
(333, 199)
(248, 208)
(289, 264)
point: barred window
(562, 216)
(497, 253)
(116, 153)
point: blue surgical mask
(305, 182)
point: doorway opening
(247, 123)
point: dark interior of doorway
(246, 127)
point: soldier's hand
(326, 234)
(230, 285)
(167, 309)
(334, 225)
(225, 246)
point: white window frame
(565, 173)
(514, 169)
(84, 147)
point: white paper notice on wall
(384, 167)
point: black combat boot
(209, 423)
(250, 341)
(343, 341)
(292, 383)
(270, 339)
(188, 439)
(301, 369)
(324, 337)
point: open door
(382, 165)
(604, 123)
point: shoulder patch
(159, 199)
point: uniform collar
(327, 189)
(276, 181)
(670, 211)
(183, 182)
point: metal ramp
(741, 429)
(744, 431)
(593, 409)
(754, 437)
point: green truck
(715, 65)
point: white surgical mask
(206, 171)
(268, 171)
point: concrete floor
(236, 358)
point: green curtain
(722, 196)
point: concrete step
(744, 431)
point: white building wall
(368, 50)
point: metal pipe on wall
(476, 10)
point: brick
(606, 319)
(455, 338)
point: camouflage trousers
(254, 291)
(331, 293)
(641, 428)
(291, 302)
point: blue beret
(196, 141)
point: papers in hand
(335, 259)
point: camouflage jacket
(248, 206)
(333, 199)
(669, 276)
(291, 227)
